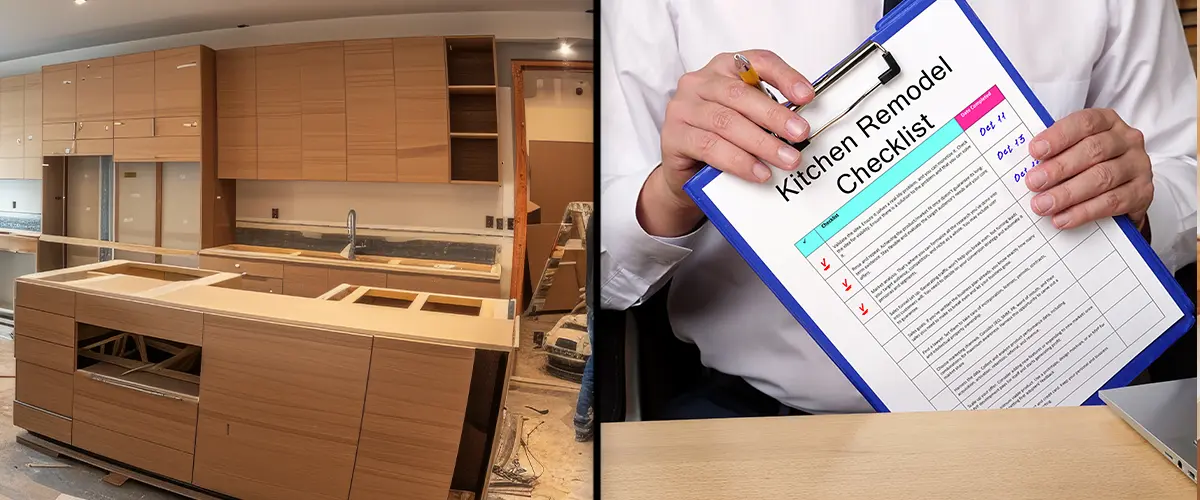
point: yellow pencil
(748, 75)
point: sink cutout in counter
(453, 305)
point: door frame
(521, 168)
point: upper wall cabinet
(94, 92)
(177, 88)
(384, 110)
(21, 127)
(133, 87)
(58, 93)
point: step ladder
(575, 217)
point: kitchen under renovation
(295, 251)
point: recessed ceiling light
(80, 2)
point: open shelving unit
(474, 132)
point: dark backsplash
(454, 251)
(21, 222)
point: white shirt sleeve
(1146, 75)
(640, 66)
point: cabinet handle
(117, 124)
(237, 266)
(30, 138)
(66, 82)
(186, 65)
(18, 142)
(189, 125)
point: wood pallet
(118, 474)
(575, 217)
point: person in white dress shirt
(1115, 74)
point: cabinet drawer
(260, 284)
(39, 352)
(157, 149)
(57, 148)
(41, 422)
(94, 147)
(246, 267)
(138, 127)
(44, 388)
(353, 277)
(45, 298)
(169, 462)
(45, 326)
(154, 408)
(95, 130)
(144, 319)
(440, 284)
(305, 281)
(33, 167)
(58, 132)
(177, 127)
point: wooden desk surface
(1060, 453)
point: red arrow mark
(863, 308)
(823, 264)
(846, 283)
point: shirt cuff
(633, 253)
(1168, 233)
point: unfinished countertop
(410, 315)
(489, 272)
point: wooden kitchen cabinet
(422, 110)
(177, 81)
(280, 409)
(33, 126)
(58, 93)
(370, 111)
(12, 127)
(413, 389)
(323, 147)
(133, 86)
(94, 92)
(279, 147)
(237, 147)
(236, 77)
(323, 111)
(305, 281)
(277, 80)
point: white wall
(553, 112)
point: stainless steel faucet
(352, 229)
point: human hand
(1092, 165)
(715, 118)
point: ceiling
(35, 27)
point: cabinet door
(58, 93)
(305, 281)
(415, 406)
(279, 146)
(280, 410)
(277, 80)
(177, 82)
(12, 101)
(94, 93)
(133, 86)
(422, 110)
(323, 111)
(237, 148)
(235, 83)
(12, 118)
(370, 111)
(33, 119)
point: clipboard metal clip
(854, 59)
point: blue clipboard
(892, 23)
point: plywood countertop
(13, 240)
(364, 262)
(1062, 453)
(213, 292)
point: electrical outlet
(274, 213)
(499, 222)
(510, 223)
(489, 220)
(14, 205)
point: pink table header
(980, 107)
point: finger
(1088, 152)
(711, 148)
(1070, 130)
(780, 75)
(734, 94)
(742, 132)
(1089, 184)
(1126, 198)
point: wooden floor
(567, 474)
